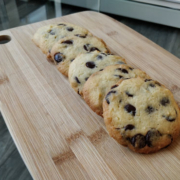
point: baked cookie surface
(67, 49)
(87, 64)
(99, 83)
(39, 33)
(141, 114)
(48, 35)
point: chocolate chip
(148, 80)
(77, 80)
(170, 142)
(138, 141)
(130, 109)
(151, 136)
(58, 57)
(129, 127)
(108, 94)
(131, 68)
(86, 47)
(165, 101)
(61, 24)
(90, 64)
(152, 85)
(70, 28)
(67, 42)
(117, 128)
(101, 69)
(94, 49)
(114, 86)
(158, 83)
(169, 118)
(51, 32)
(104, 54)
(99, 57)
(123, 70)
(86, 78)
(128, 94)
(49, 51)
(150, 109)
(119, 76)
(72, 60)
(81, 36)
(78, 92)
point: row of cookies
(139, 113)
(64, 41)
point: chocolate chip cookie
(47, 36)
(67, 49)
(87, 64)
(99, 83)
(141, 114)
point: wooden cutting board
(56, 133)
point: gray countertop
(12, 166)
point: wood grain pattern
(56, 133)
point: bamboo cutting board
(56, 133)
